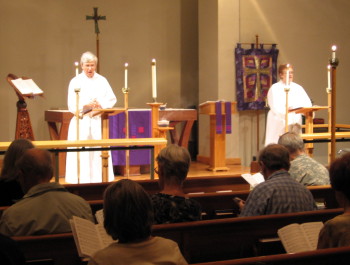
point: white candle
(334, 48)
(329, 76)
(126, 75)
(154, 79)
(76, 68)
(287, 77)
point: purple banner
(218, 117)
(228, 117)
(139, 127)
(256, 71)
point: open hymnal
(89, 237)
(300, 237)
(27, 86)
(254, 179)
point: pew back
(331, 256)
(200, 241)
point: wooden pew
(330, 256)
(229, 238)
(220, 204)
(60, 248)
(94, 191)
(200, 241)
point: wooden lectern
(217, 160)
(23, 124)
(105, 113)
(308, 112)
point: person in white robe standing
(95, 92)
(276, 98)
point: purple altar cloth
(139, 127)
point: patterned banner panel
(256, 71)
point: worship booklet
(253, 180)
(89, 237)
(27, 87)
(300, 237)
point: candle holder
(154, 100)
(125, 90)
(334, 62)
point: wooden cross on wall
(96, 18)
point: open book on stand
(89, 237)
(27, 87)
(300, 237)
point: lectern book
(300, 237)
(89, 237)
(27, 87)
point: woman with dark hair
(171, 204)
(336, 232)
(10, 190)
(128, 218)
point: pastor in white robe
(95, 88)
(276, 118)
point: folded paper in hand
(253, 180)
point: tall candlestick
(126, 75)
(334, 48)
(154, 79)
(329, 77)
(76, 68)
(287, 77)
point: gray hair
(292, 141)
(88, 57)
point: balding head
(35, 167)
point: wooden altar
(217, 159)
(58, 123)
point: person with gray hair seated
(303, 168)
(171, 204)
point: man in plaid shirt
(279, 193)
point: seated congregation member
(46, 206)
(171, 204)
(10, 189)
(303, 168)
(128, 218)
(336, 232)
(279, 193)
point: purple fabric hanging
(139, 127)
(228, 117)
(218, 117)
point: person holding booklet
(336, 232)
(276, 98)
(95, 93)
(279, 193)
(128, 218)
